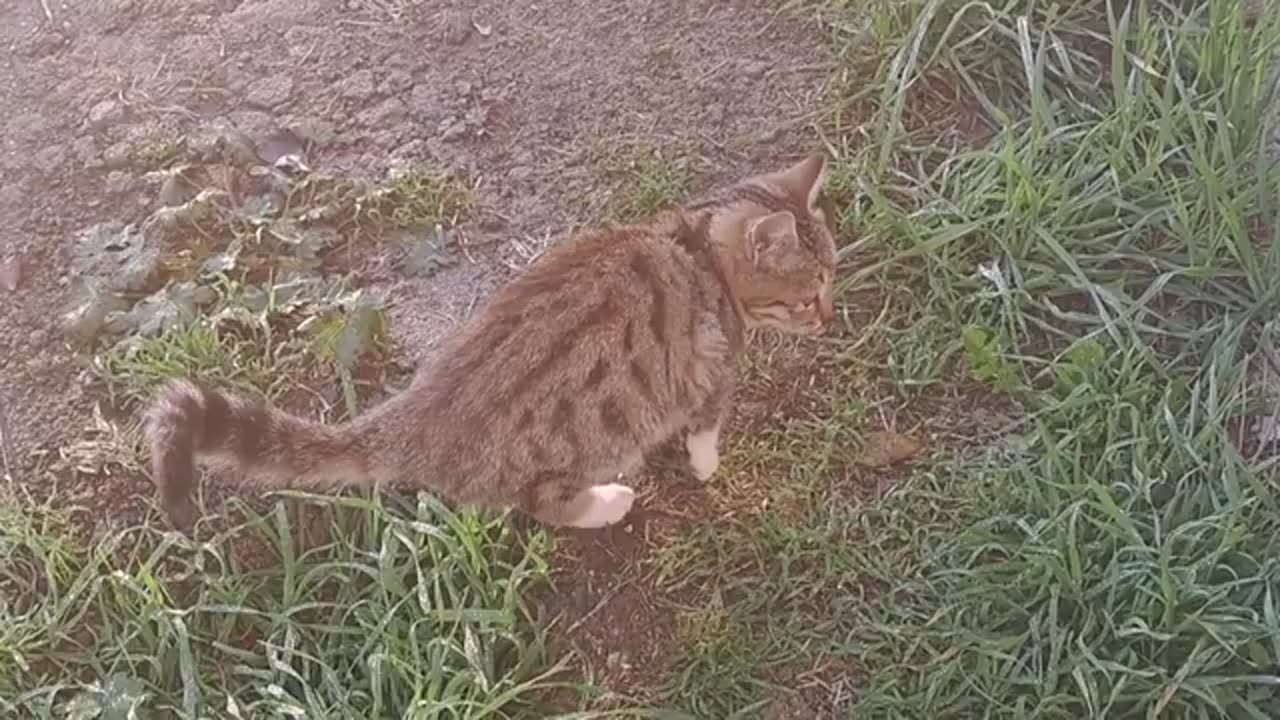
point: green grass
(363, 612)
(314, 607)
(1121, 561)
(642, 180)
(1107, 258)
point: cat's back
(605, 318)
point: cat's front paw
(704, 456)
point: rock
(314, 130)
(44, 44)
(269, 92)
(395, 83)
(253, 123)
(117, 257)
(105, 113)
(223, 144)
(117, 156)
(89, 312)
(10, 273)
(388, 112)
(357, 86)
(452, 129)
(278, 144)
(755, 69)
(118, 182)
(411, 149)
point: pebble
(116, 156)
(388, 112)
(269, 92)
(105, 113)
(396, 82)
(357, 85)
(755, 69)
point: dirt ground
(520, 96)
(515, 95)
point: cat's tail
(274, 449)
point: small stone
(10, 273)
(755, 69)
(464, 88)
(452, 129)
(269, 92)
(314, 130)
(118, 181)
(223, 144)
(411, 149)
(117, 156)
(357, 86)
(396, 82)
(278, 144)
(203, 295)
(388, 112)
(38, 337)
(253, 123)
(616, 660)
(105, 113)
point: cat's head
(785, 251)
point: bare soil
(515, 96)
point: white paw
(704, 457)
(609, 504)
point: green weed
(361, 612)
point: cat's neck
(705, 238)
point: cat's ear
(770, 234)
(803, 181)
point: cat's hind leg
(554, 500)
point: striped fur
(606, 346)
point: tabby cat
(604, 347)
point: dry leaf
(882, 449)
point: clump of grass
(419, 197)
(643, 180)
(261, 338)
(1109, 256)
(158, 149)
(327, 607)
(385, 614)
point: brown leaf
(882, 449)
